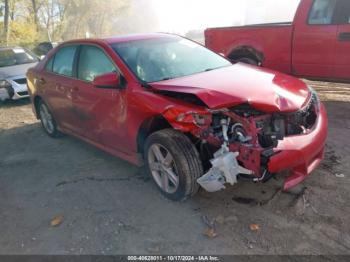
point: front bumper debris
(300, 154)
(225, 169)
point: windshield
(159, 59)
(16, 56)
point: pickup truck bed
(225, 39)
(316, 45)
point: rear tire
(174, 164)
(48, 122)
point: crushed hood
(263, 89)
(15, 70)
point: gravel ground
(103, 205)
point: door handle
(344, 36)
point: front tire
(174, 164)
(48, 121)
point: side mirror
(109, 80)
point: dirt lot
(108, 208)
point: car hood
(15, 70)
(263, 89)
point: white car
(14, 63)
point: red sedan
(185, 112)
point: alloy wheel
(47, 119)
(163, 169)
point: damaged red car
(188, 114)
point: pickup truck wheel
(247, 60)
(47, 120)
(174, 164)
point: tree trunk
(6, 21)
(35, 14)
(12, 10)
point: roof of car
(124, 38)
(135, 37)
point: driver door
(101, 111)
(314, 40)
(342, 49)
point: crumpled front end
(245, 142)
(301, 154)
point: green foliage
(22, 34)
(33, 21)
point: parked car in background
(14, 63)
(43, 48)
(315, 45)
(188, 113)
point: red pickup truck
(316, 45)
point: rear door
(57, 81)
(102, 111)
(315, 38)
(342, 49)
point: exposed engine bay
(244, 139)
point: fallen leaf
(56, 221)
(210, 232)
(220, 219)
(254, 227)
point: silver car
(14, 63)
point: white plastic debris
(212, 181)
(225, 169)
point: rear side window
(342, 13)
(93, 62)
(322, 12)
(64, 60)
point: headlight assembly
(314, 96)
(193, 117)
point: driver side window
(93, 62)
(342, 13)
(322, 12)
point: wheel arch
(36, 102)
(148, 127)
(246, 51)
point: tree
(35, 7)
(33, 21)
(6, 21)
(98, 18)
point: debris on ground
(220, 219)
(210, 230)
(232, 219)
(301, 201)
(339, 175)
(56, 221)
(254, 227)
(210, 233)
